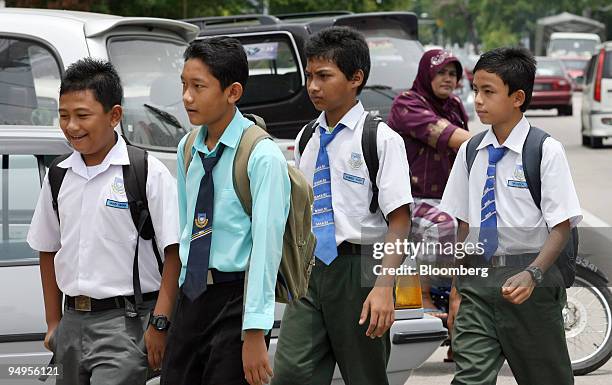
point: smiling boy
(87, 243)
(514, 314)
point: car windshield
(575, 64)
(395, 61)
(549, 68)
(153, 112)
(572, 46)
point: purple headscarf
(431, 62)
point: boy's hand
(255, 362)
(155, 341)
(379, 304)
(50, 331)
(453, 308)
(518, 288)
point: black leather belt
(215, 276)
(518, 260)
(88, 304)
(347, 248)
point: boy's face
(328, 87)
(203, 97)
(492, 102)
(88, 128)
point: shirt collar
(515, 140)
(118, 155)
(230, 137)
(350, 119)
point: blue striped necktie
(201, 234)
(322, 212)
(488, 213)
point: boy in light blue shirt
(218, 239)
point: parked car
(575, 68)
(552, 87)
(35, 48)
(275, 47)
(596, 116)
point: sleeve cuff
(258, 321)
(442, 144)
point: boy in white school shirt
(87, 246)
(515, 313)
(342, 320)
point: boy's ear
(518, 98)
(234, 92)
(357, 78)
(116, 115)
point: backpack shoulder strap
(532, 158)
(257, 120)
(306, 135)
(250, 137)
(472, 149)
(369, 146)
(191, 137)
(56, 177)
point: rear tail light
(408, 292)
(598, 76)
(561, 85)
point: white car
(597, 98)
(35, 48)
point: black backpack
(532, 158)
(135, 182)
(368, 146)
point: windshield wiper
(165, 116)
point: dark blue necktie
(322, 211)
(201, 234)
(488, 212)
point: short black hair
(225, 58)
(516, 67)
(344, 46)
(98, 76)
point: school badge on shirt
(118, 186)
(519, 178)
(356, 161)
(201, 221)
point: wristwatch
(159, 322)
(536, 274)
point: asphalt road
(592, 174)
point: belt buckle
(500, 261)
(82, 303)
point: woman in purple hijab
(433, 124)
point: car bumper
(550, 99)
(601, 124)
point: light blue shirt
(234, 236)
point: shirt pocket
(116, 221)
(229, 215)
(350, 188)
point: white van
(597, 98)
(572, 44)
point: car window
(19, 189)
(30, 79)
(591, 69)
(150, 70)
(273, 69)
(607, 70)
(549, 68)
(395, 61)
(572, 46)
(575, 64)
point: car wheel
(586, 141)
(565, 110)
(596, 142)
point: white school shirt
(95, 244)
(350, 181)
(522, 228)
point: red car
(552, 87)
(575, 68)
